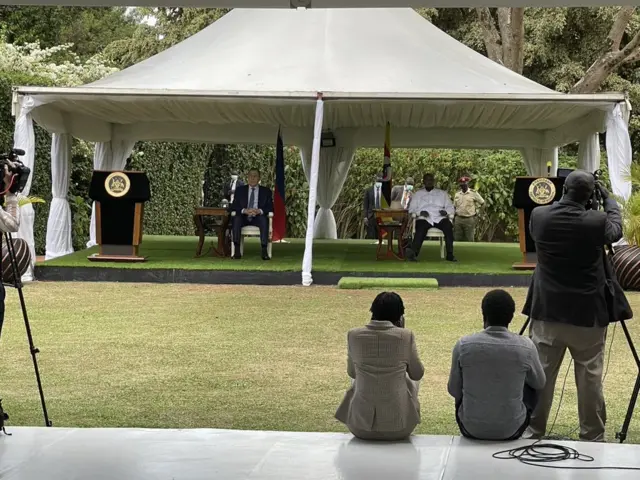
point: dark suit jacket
(241, 199)
(369, 202)
(568, 284)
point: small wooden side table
(224, 248)
(394, 223)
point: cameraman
(9, 220)
(566, 301)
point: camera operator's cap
(464, 180)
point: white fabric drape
(589, 153)
(536, 161)
(335, 163)
(24, 138)
(307, 260)
(108, 156)
(59, 241)
(619, 153)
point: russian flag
(279, 210)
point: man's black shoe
(451, 258)
(265, 254)
(410, 255)
(237, 255)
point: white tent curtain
(619, 153)
(536, 161)
(335, 163)
(24, 139)
(307, 259)
(59, 241)
(589, 153)
(108, 156)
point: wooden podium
(529, 193)
(119, 199)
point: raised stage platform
(136, 454)
(172, 260)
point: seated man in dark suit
(252, 204)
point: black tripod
(622, 434)
(17, 284)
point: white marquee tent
(345, 70)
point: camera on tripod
(17, 168)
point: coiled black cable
(542, 454)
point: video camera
(595, 202)
(17, 168)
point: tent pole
(307, 260)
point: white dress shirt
(377, 199)
(431, 202)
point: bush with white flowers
(33, 60)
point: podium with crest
(528, 194)
(119, 202)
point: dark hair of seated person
(498, 308)
(388, 306)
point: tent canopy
(253, 71)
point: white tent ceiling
(255, 70)
(328, 3)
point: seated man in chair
(252, 205)
(433, 207)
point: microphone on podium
(548, 169)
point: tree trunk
(511, 23)
(612, 56)
(505, 42)
(490, 35)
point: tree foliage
(89, 30)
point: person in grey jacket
(9, 222)
(382, 403)
(495, 375)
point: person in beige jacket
(382, 403)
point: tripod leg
(32, 348)
(622, 434)
(524, 327)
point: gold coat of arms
(542, 191)
(117, 184)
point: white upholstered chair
(251, 231)
(433, 233)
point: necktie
(377, 198)
(252, 197)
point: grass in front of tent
(268, 358)
(328, 256)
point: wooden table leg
(221, 230)
(200, 229)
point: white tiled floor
(123, 454)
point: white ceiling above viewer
(328, 3)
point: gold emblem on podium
(117, 184)
(542, 191)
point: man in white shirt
(433, 207)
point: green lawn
(328, 256)
(272, 358)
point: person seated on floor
(382, 403)
(252, 204)
(433, 208)
(495, 375)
